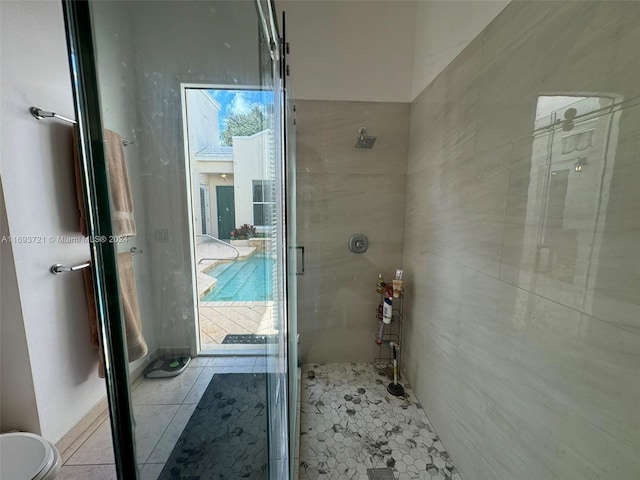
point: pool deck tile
(216, 322)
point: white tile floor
(350, 423)
(162, 408)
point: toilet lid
(24, 456)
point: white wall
(18, 407)
(249, 164)
(443, 29)
(384, 51)
(351, 50)
(202, 113)
(203, 131)
(38, 180)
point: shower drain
(380, 474)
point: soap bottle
(380, 284)
(387, 309)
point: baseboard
(88, 424)
(82, 430)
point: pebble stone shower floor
(350, 424)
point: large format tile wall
(342, 190)
(523, 331)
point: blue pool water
(242, 280)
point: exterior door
(226, 211)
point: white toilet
(25, 456)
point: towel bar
(58, 268)
(40, 114)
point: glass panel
(295, 263)
(159, 66)
(276, 351)
(294, 268)
(121, 448)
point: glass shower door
(277, 364)
(295, 260)
(130, 62)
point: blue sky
(239, 101)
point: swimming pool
(242, 280)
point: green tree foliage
(244, 124)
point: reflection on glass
(572, 161)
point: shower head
(364, 140)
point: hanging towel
(122, 203)
(79, 189)
(121, 200)
(94, 335)
(136, 345)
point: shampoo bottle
(387, 310)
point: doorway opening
(228, 143)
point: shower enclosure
(130, 63)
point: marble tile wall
(342, 190)
(523, 274)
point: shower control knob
(358, 243)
